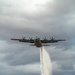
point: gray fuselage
(37, 42)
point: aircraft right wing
(24, 40)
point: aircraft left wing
(51, 41)
(24, 40)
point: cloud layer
(42, 18)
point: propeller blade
(44, 38)
(52, 38)
(30, 38)
(23, 37)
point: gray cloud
(30, 18)
(16, 54)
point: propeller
(23, 38)
(36, 37)
(52, 38)
(44, 38)
(30, 38)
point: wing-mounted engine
(31, 39)
(45, 40)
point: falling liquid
(45, 62)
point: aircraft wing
(24, 40)
(51, 41)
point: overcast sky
(31, 18)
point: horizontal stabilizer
(15, 39)
(31, 45)
(45, 45)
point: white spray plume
(45, 62)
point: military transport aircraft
(37, 41)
